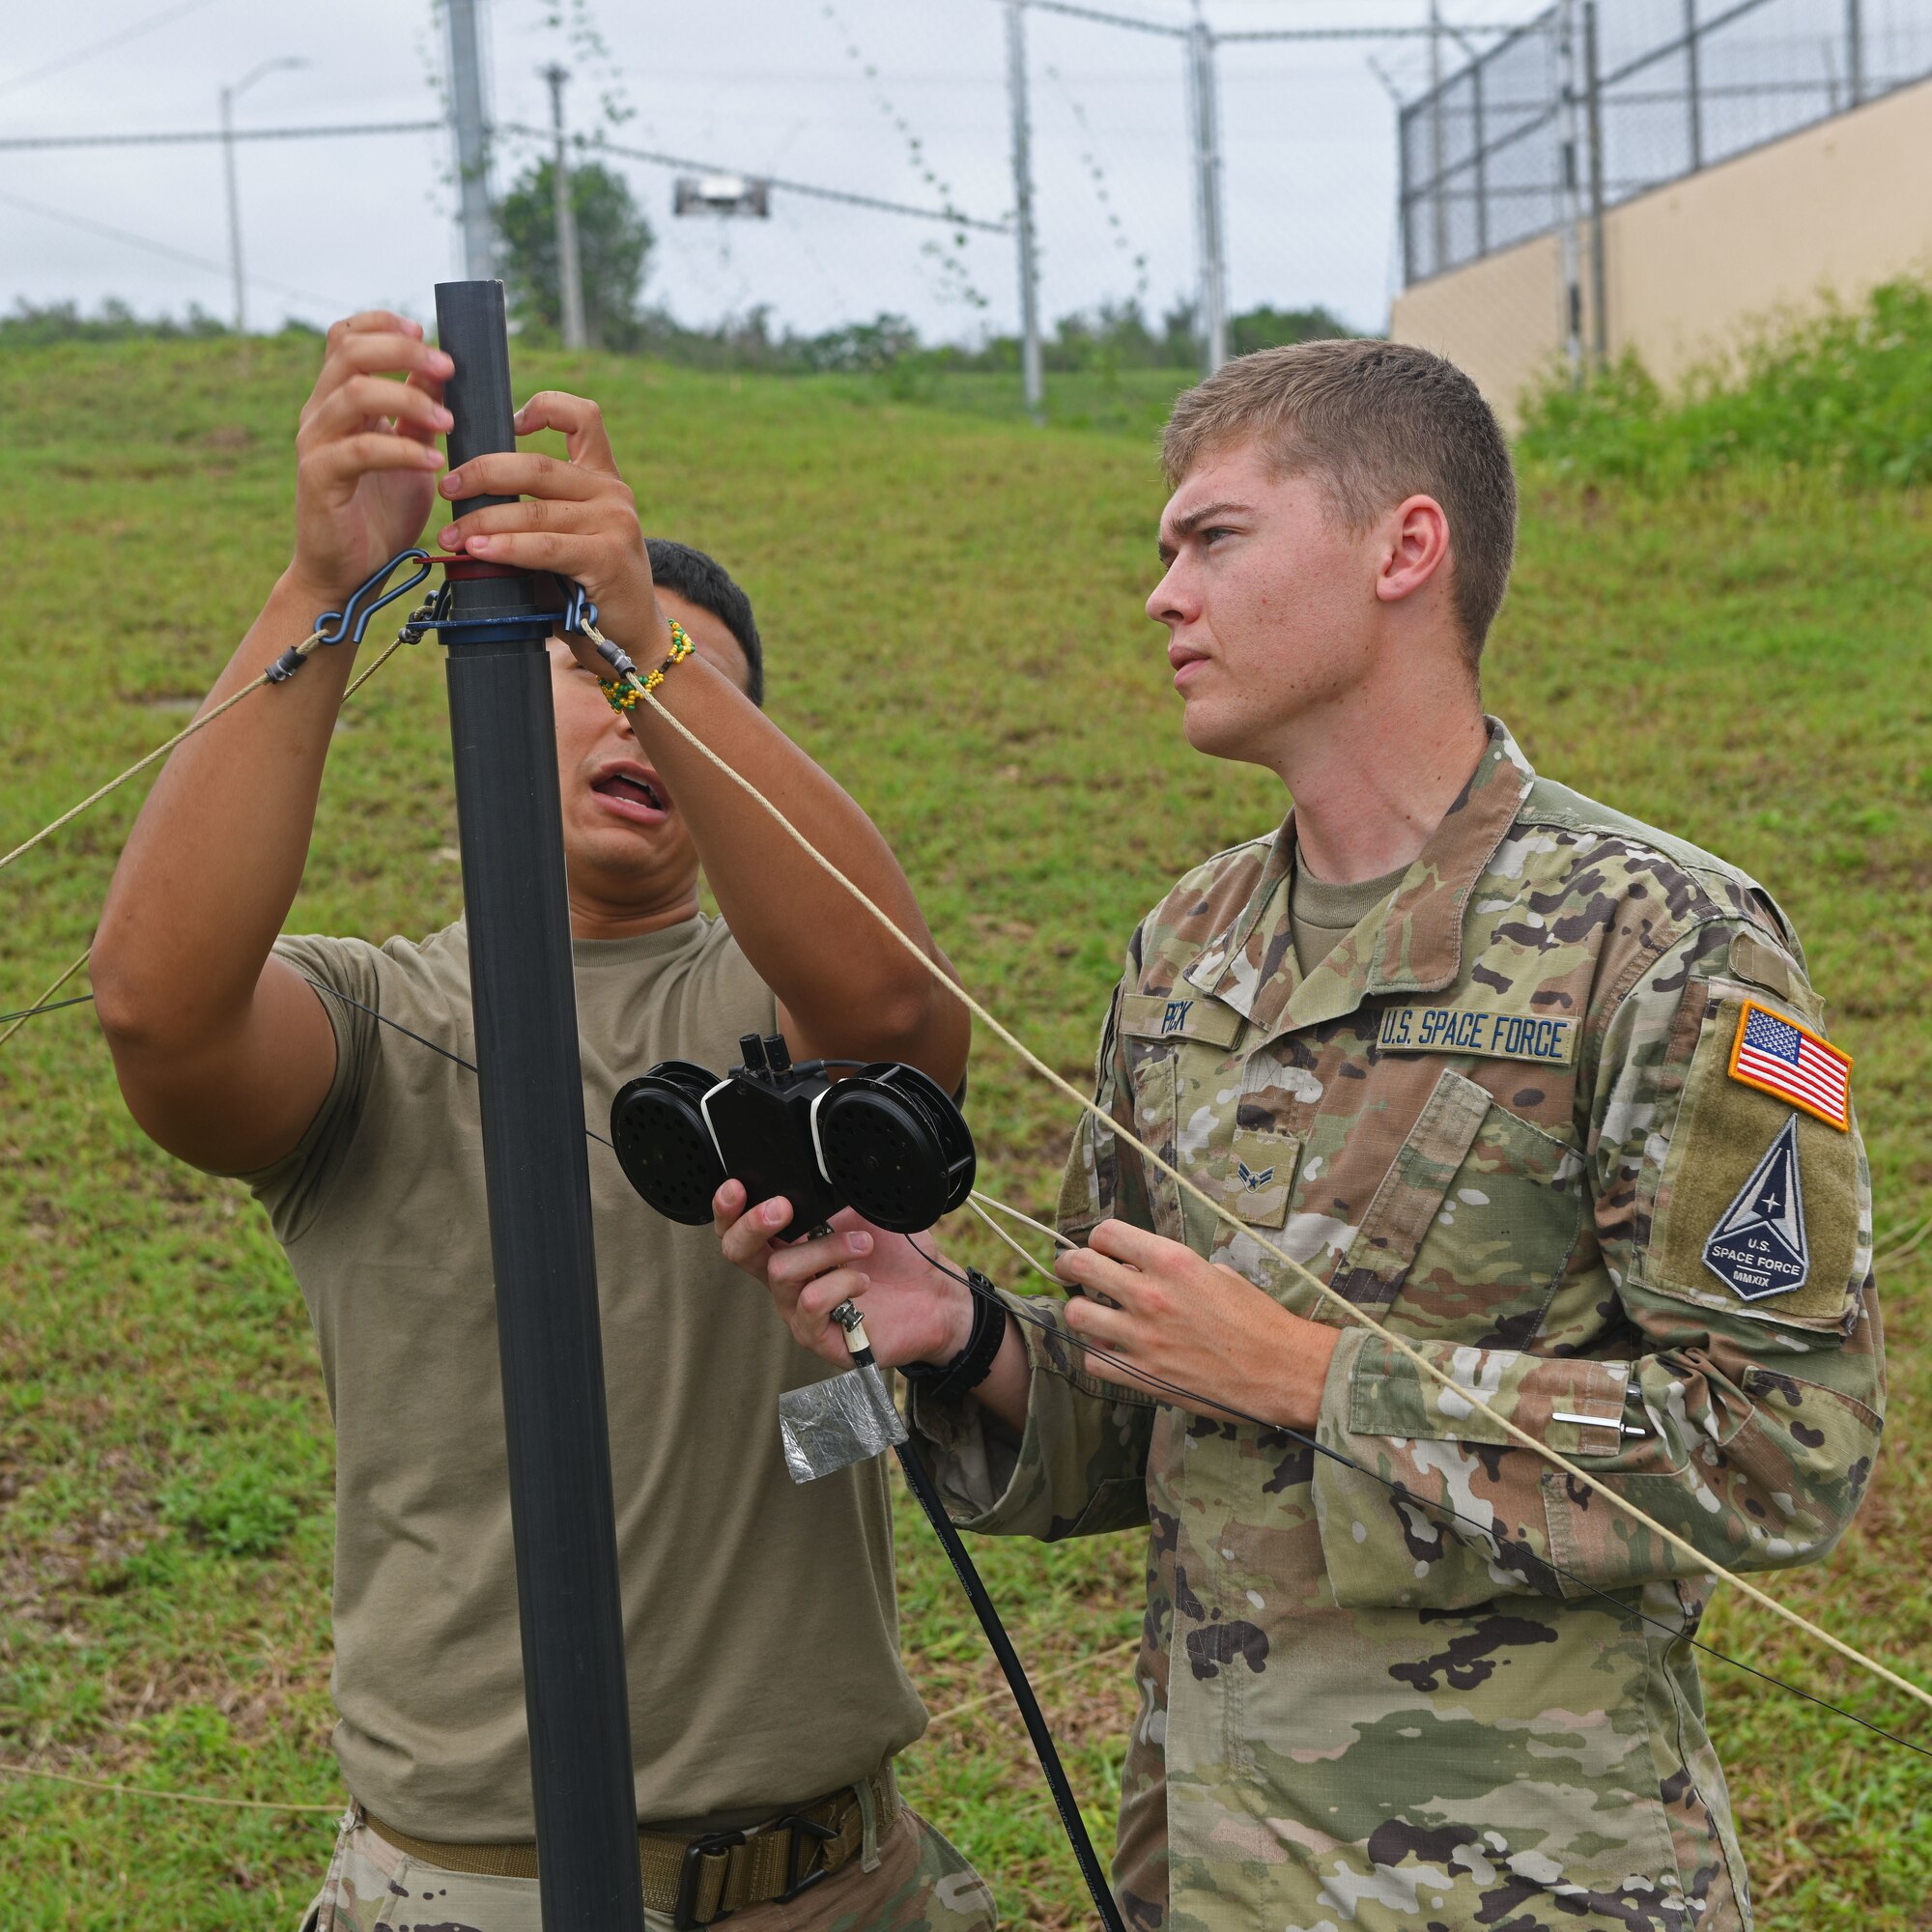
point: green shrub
(1849, 392)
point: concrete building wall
(1694, 268)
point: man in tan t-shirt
(767, 1697)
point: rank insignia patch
(1778, 1056)
(1758, 1249)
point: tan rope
(1704, 1562)
(169, 1797)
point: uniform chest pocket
(1472, 1225)
(1155, 1074)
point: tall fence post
(1438, 155)
(1693, 76)
(537, 1186)
(1481, 145)
(1599, 278)
(1405, 194)
(1570, 185)
(1031, 369)
(1855, 48)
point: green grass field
(952, 603)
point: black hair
(703, 581)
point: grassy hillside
(951, 604)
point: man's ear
(1416, 552)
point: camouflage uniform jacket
(1502, 1118)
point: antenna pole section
(470, 122)
(531, 1092)
(1016, 93)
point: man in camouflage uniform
(1555, 1106)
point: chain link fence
(1588, 105)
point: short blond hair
(1376, 422)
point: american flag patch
(1779, 1056)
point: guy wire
(46, 1003)
(1705, 1564)
(207, 718)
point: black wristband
(947, 1382)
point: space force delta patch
(1489, 1035)
(1758, 1249)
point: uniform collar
(1413, 945)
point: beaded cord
(624, 696)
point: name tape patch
(1181, 1015)
(1489, 1035)
(1778, 1056)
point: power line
(950, 216)
(162, 248)
(1355, 32)
(207, 136)
(200, 136)
(1106, 19)
(113, 40)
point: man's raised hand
(365, 451)
(575, 516)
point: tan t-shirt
(1321, 915)
(760, 1625)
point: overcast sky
(761, 85)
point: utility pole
(1031, 368)
(569, 267)
(1437, 155)
(470, 122)
(229, 96)
(1205, 116)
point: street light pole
(228, 99)
(569, 265)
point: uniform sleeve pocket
(1757, 1207)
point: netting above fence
(1619, 99)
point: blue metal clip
(577, 610)
(351, 623)
(348, 624)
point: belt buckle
(690, 1875)
(802, 1833)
